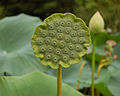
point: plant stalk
(80, 73)
(93, 65)
(59, 80)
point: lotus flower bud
(96, 24)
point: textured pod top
(61, 39)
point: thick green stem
(59, 80)
(93, 65)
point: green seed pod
(96, 23)
(61, 39)
(109, 48)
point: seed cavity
(54, 42)
(65, 58)
(67, 38)
(76, 27)
(68, 30)
(48, 40)
(50, 49)
(78, 48)
(42, 49)
(55, 59)
(51, 26)
(58, 51)
(65, 50)
(39, 41)
(52, 33)
(56, 23)
(68, 23)
(62, 44)
(59, 36)
(48, 56)
(73, 54)
(74, 40)
(73, 33)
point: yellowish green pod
(61, 39)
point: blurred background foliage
(110, 9)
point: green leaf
(103, 89)
(114, 83)
(16, 55)
(33, 84)
(103, 37)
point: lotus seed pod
(96, 23)
(109, 48)
(61, 39)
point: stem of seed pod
(93, 65)
(80, 73)
(59, 80)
